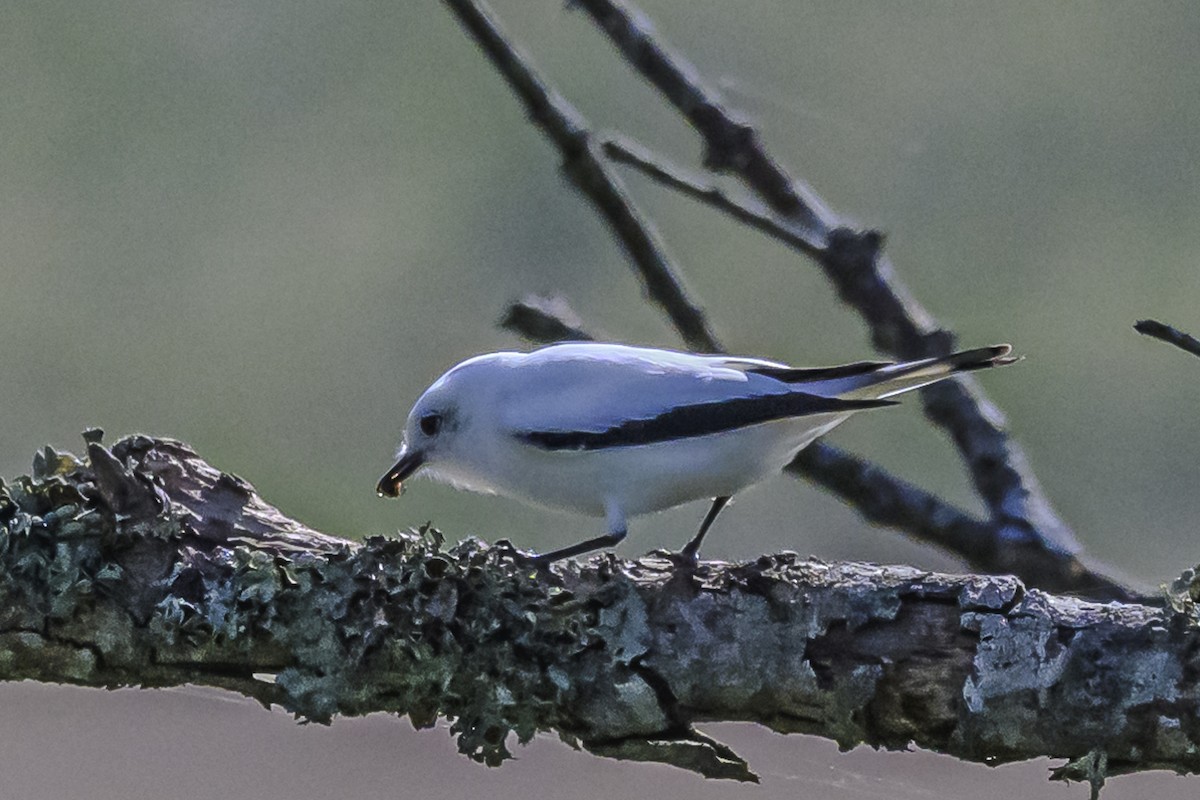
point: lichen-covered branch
(143, 565)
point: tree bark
(143, 565)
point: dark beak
(392, 483)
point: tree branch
(587, 169)
(864, 277)
(544, 320)
(143, 565)
(746, 210)
(1168, 334)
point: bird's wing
(876, 380)
(593, 396)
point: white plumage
(617, 431)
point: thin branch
(731, 143)
(590, 172)
(544, 320)
(882, 498)
(889, 501)
(864, 277)
(899, 325)
(747, 210)
(1168, 334)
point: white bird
(615, 431)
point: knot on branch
(728, 143)
(850, 257)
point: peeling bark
(143, 565)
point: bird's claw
(521, 558)
(685, 559)
(506, 549)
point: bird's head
(436, 434)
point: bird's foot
(682, 560)
(525, 560)
(522, 558)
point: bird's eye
(431, 424)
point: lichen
(1183, 594)
(403, 623)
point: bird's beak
(392, 483)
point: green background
(265, 227)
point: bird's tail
(877, 381)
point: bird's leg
(607, 540)
(692, 549)
(614, 516)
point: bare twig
(863, 276)
(731, 143)
(624, 150)
(586, 167)
(887, 500)
(544, 320)
(1168, 334)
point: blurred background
(264, 228)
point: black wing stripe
(701, 419)
(803, 374)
